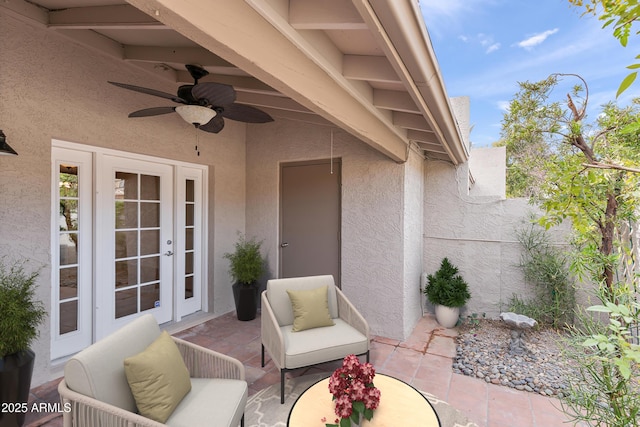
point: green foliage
(546, 268)
(590, 172)
(473, 319)
(21, 314)
(246, 262)
(621, 17)
(605, 389)
(446, 287)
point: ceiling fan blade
(216, 94)
(148, 91)
(215, 125)
(246, 113)
(155, 111)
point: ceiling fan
(205, 105)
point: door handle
(284, 245)
(168, 253)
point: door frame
(181, 170)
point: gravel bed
(483, 352)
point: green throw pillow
(310, 309)
(158, 378)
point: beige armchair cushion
(158, 378)
(322, 344)
(310, 309)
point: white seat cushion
(320, 345)
(212, 402)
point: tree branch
(600, 165)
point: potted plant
(448, 291)
(246, 265)
(20, 317)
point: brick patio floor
(423, 360)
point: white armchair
(292, 350)
(96, 391)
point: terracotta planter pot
(447, 316)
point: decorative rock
(540, 369)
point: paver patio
(423, 360)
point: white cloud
(536, 39)
(463, 38)
(493, 48)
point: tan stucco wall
(477, 234)
(52, 88)
(373, 223)
(413, 223)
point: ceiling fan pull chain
(197, 151)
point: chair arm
(81, 410)
(351, 315)
(205, 363)
(272, 338)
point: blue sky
(485, 47)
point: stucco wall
(477, 234)
(373, 240)
(52, 88)
(413, 223)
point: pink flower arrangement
(353, 391)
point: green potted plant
(246, 265)
(447, 291)
(21, 315)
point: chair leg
(368, 356)
(242, 421)
(282, 371)
(263, 355)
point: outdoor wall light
(5, 149)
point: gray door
(310, 219)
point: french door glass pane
(126, 302)
(149, 214)
(149, 242)
(126, 185)
(69, 215)
(188, 287)
(126, 273)
(126, 244)
(149, 296)
(150, 269)
(126, 214)
(68, 283)
(68, 316)
(68, 248)
(149, 187)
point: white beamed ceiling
(365, 66)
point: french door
(128, 240)
(134, 260)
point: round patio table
(400, 405)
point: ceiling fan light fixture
(197, 115)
